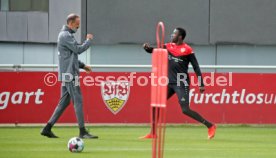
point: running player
(180, 55)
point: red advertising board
(31, 97)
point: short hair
(182, 32)
(71, 18)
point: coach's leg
(62, 105)
(183, 99)
(75, 93)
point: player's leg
(169, 95)
(62, 105)
(183, 99)
(153, 127)
(170, 91)
(75, 93)
(153, 113)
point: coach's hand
(201, 89)
(87, 69)
(89, 36)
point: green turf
(122, 142)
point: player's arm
(148, 48)
(197, 70)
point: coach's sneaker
(48, 133)
(148, 136)
(212, 131)
(88, 136)
(84, 134)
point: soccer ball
(75, 145)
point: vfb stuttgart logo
(115, 95)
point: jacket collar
(66, 28)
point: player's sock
(207, 123)
(198, 117)
(155, 118)
(153, 129)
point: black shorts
(182, 93)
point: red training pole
(159, 93)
